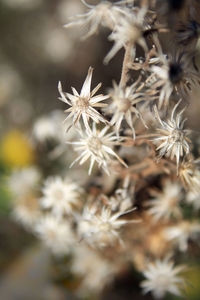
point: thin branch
(125, 66)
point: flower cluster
(135, 153)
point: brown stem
(125, 66)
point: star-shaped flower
(82, 105)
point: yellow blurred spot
(15, 149)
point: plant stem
(125, 66)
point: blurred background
(35, 53)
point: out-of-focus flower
(97, 146)
(193, 198)
(27, 211)
(95, 270)
(128, 30)
(100, 227)
(162, 277)
(182, 232)
(123, 105)
(174, 74)
(173, 140)
(16, 150)
(165, 203)
(123, 198)
(105, 13)
(190, 175)
(187, 34)
(49, 128)
(57, 45)
(23, 181)
(60, 195)
(56, 234)
(45, 128)
(83, 105)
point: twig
(125, 66)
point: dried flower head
(123, 198)
(173, 141)
(123, 105)
(162, 277)
(174, 74)
(190, 175)
(56, 234)
(27, 211)
(23, 181)
(187, 34)
(103, 14)
(182, 232)
(97, 146)
(165, 203)
(83, 105)
(61, 196)
(193, 198)
(128, 30)
(100, 226)
(95, 271)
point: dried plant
(130, 207)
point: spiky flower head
(174, 74)
(165, 203)
(162, 277)
(96, 272)
(100, 226)
(104, 13)
(172, 137)
(82, 105)
(60, 195)
(97, 146)
(181, 233)
(57, 235)
(190, 175)
(128, 30)
(123, 105)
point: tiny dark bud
(176, 4)
(175, 73)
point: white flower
(56, 234)
(162, 277)
(193, 198)
(82, 105)
(105, 13)
(128, 30)
(123, 105)
(190, 175)
(123, 198)
(174, 74)
(165, 203)
(182, 232)
(95, 270)
(97, 146)
(44, 129)
(26, 211)
(50, 128)
(100, 227)
(23, 181)
(60, 195)
(173, 141)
